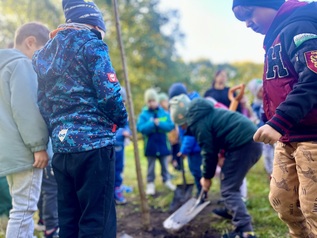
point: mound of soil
(130, 223)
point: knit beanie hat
(275, 4)
(177, 89)
(162, 97)
(150, 94)
(123, 93)
(255, 85)
(178, 108)
(83, 11)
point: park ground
(205, 224)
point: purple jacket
(290, 72)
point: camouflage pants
(293, 188)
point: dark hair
(215, 76)
(38, 30)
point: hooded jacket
(79, 94)
(155, 138)
(290, 73)
(216, 129)
(22, 128)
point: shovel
(186, 213)
(235, 100)
(183, 192)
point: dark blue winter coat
(78, 92)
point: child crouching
(217, 129)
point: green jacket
(216, 129)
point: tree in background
(14, 13)
(151, 54)
(149, 37)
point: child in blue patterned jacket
(154, 123)
(79, 98)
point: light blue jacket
(22, 128)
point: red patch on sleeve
(112, 77)
(311, 60)
(114, 128)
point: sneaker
(249, 234)
(169, 185)
(150, 189)
(53, 234)
(118, 196)
(127, 189)
(222, 212)
(39, 226)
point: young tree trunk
(144, 203)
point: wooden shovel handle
(235, 99)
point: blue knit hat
(177, 89)
(83, 11)
(274, 4)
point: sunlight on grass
(3, 224)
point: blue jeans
(119, 165)
(194, 164)
(86, 206)
(236, 166)
(151, 169)
(25, 188)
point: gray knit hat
(150, 94)
(162, 97)
(178, 108)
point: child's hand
(205, 183)
(40, 159)
(156, 121)
(221, 160)
(267, 135)
(180, 154)
(126, 134)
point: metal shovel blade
(181, 195)
(183, 191)
(184, 215)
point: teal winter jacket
(155, 138)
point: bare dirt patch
(130, 223)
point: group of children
(74, 98)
